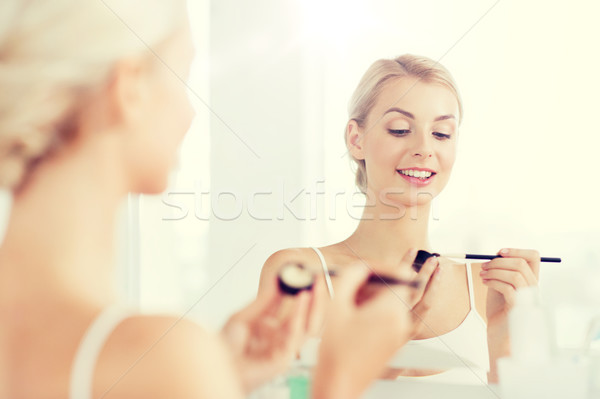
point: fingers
(513, 265)
(507, 290)
(283, 333)
(427, 270)
(513, 278)
(531, 256)
(296, 326)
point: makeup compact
(295, 277)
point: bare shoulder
(291, 255)
(163, 356)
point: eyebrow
(401, 111)
(411, 116)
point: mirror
(265, 168)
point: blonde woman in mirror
(402, 133)
(92, 108)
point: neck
(386, 232)
(60, 237)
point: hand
(503, 276)
(421, 299)
(266, 335)
(359, 339)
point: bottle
(298, 381)
(532, 370)
(528, 328)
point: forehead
(425, 100)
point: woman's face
(167, 115)
(409, 141)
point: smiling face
(408, 141)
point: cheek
(176, 115)
(379, 160)
(382, 152)
(164, 132)
(447, 156)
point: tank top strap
(470, 286)
(84, 364)
(325, 271)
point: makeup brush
(488, 257)
(387, 280)
(422, 257)
(383, 279)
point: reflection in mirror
(279, 78)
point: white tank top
(463, 351)
(84, 364)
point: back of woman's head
(55, 53)
(374, 81)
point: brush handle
(381, 279)
(488, 257)
(378, 279)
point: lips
(417, 176)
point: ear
(354, 139)
(129, 93)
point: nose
(421, 146)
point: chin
(154, 190)
(401, 201)
(158, 187)
(153, 185)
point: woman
(92, 107)
(402, 135)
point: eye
(399, 132)
(441, 136)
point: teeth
(421, 174)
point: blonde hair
(373, 82)
(53, 53)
